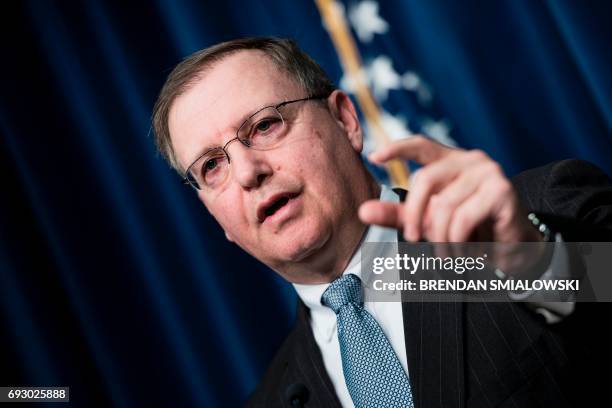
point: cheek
(229, 212)
(319, 157)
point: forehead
(211, 109)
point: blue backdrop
(113, 278)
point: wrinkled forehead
(225, 94)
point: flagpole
(351, 62)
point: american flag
(395, 99)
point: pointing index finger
(384, 213)
(418, 148)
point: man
(273, 152)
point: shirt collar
(311, 294)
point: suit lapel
(305, 365)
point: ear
(345, 114)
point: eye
(209, 165)
(262, 129)
(213, 170)
(213, 164)
(264, 125)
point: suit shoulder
(566, 178)
(567, 170)
(568, 192)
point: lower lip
(284, 213)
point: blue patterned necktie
(373, 373)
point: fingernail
(361, 212)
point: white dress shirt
(323, 319)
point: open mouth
(274, 206)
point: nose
(248, 167)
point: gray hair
(283, 53)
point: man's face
(288, 205)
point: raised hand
(458, 195)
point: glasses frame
(246, 143)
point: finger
(432, 179)
(471, 214)
(443, 205)
(384, 213)
(418, 148)
(451, 197)
(428, 180)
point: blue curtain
(113, 278)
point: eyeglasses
(262, 130)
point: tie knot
(342, 291)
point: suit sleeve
(573, 197)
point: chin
(300, 246)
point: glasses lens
(210, 170)
(263, 129)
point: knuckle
(457, 154)
(503, 187)
(424, 177)
(463, 217)
(477, 155)
(495, 168)
(441, 204)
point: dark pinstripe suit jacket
(488, 354)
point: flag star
(411, 81)
(439, 131)
(349, 82)
(395, 128)
(369, 144)
(424, 94)
(366, 21)
(383, 77)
